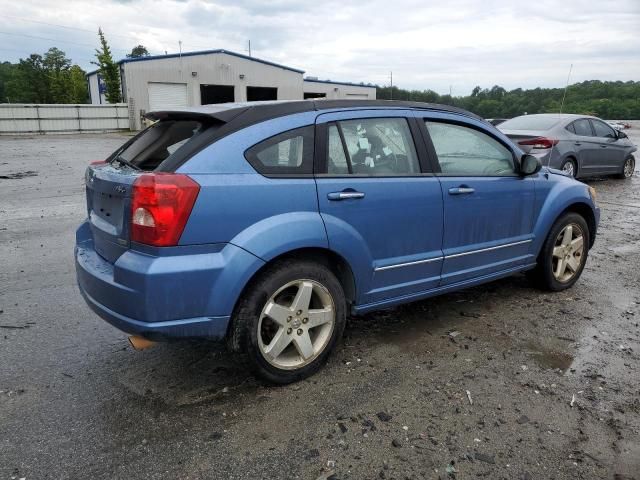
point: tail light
(540, 142)
(98, 162)
(160, 207)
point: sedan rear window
(158, 142)
(530, 122)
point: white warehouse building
(214, 76)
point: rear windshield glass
(530, 122)
(158, 142)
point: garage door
(167, 96)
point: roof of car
(254, 112)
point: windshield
(530, 122)
(158, 142)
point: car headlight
(592, 194)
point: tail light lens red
(539, 142)
(160, 207)
(98, 162)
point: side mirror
(621, 134)
(529, 164)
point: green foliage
(109, 70)
(138, 51)
(611, 100)
(43, 79)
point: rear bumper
(180, 292)
(209, 327)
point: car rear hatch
(108, 207)
(110, 185)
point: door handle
(461, 191)
(603, 146)
(344, 195)
(577, 144)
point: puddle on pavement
(550, 358)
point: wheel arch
(581, 208)
(337, 264)
(586, 212)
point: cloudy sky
(437, 45)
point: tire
(267, 317)
(545, 275)
(628, 168)
(569, 166)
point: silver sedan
(580, 145)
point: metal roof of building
(203, 52)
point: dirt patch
(19, 175)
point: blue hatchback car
(266, 224)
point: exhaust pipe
(140, 343)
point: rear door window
(158, 142)
(582, 127)
(372, 146)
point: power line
(56, 40)
(68, 27)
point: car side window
(603, 130)
(582, 127)
(463, 151)
(570, 128)
(289, 153)
(374, 146)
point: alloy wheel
(296, 324)
(568, 253)
(629, 166)
(568, 168)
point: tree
(7, 71)
(109, 70)
(138, 51)
(78, 92)
(56, 67)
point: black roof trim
(254, 112)
(236, 116)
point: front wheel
(564, 253)
(628, 168)
(290, 319)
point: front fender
(555, 197)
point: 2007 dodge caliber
(266, 224)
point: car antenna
(564, 95)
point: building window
(216, 94)
(256, 94)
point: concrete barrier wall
(21, 118)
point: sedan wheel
(296, 324)
(629, 167)
(569, 168)
(568, 253)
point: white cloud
(458, 43)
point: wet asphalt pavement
(499, 381)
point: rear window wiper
(118, 158)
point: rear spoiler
(222, 116)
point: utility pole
(391, 84)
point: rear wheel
(563, 254)
(569, 167)
(628, 168)
(290, 320)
